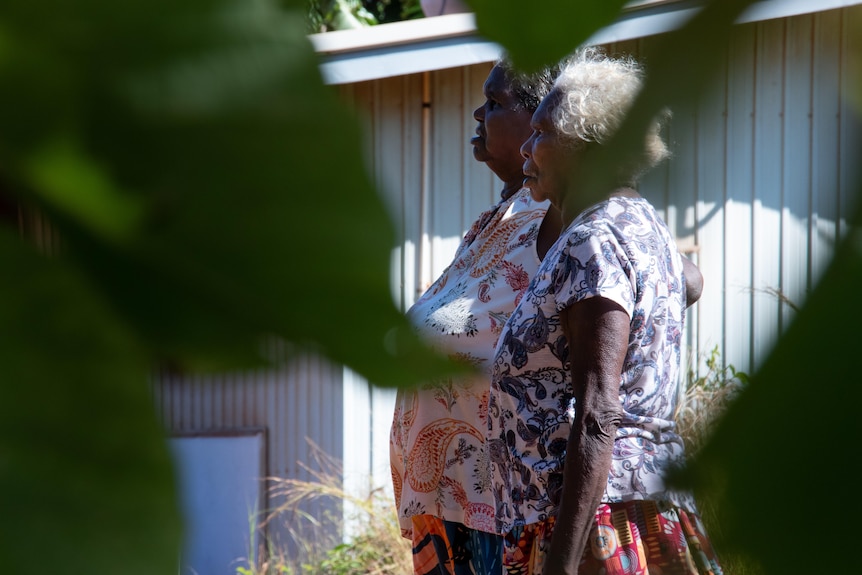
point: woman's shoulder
(625, 215)
(603, 222)
(593, 219)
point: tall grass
(351, 533)
(704, 399)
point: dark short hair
(529, 88)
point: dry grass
(373, 545)
(705, 397)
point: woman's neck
(509, 189)
(549, 231)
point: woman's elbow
(603, 422)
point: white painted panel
(389, 168)
(737, 218)
(382, 407)
(682, 188)
(356, 455)
(301, 422)
(481, 186)
(414, 169)
(797, 164)
(654, 187)
(398, 166)
(709, 160)
(768, 132)
(850, 172)
(825, 192)
(220, 490)
(449, 157)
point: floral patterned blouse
(621, 250)
(437, 455)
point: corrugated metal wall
(303, 400)
(302, 407)
(763, 177)
(759, 187)
(756, 193)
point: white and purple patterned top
(621, 250)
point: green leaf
(235, 174)
(210, 196)
(86, 482)
(543, 31)
(70, 182)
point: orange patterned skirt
(447, 548)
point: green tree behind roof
(329, 15)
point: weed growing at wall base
(705, 397)
(330, 530)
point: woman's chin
(480, 154)
(537, 195)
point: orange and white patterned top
(437, 454)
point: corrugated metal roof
(450, 41)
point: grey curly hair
(595, 93)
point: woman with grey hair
(586, 373)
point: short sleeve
(593, 263)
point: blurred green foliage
(330, 15)
(210, 195)
(183, 153)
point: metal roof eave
(450, 41)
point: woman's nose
(527, 147)
(479, 113)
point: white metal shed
(763, 177)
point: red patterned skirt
(631, 538)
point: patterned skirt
(631, 538)
(447, 548)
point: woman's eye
(492, 104)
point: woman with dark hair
(440, 468)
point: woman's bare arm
(693, 281)
(598, 332)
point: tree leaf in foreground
(86, 483)
(206, 180)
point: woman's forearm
(588, 461)
(597, 330)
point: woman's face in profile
(503, 125)
(549, 159)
